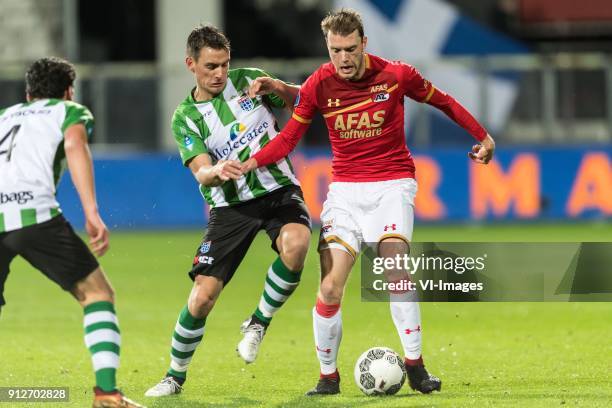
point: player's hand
(262, 86)
(98, 234)
(483, 153)
(250, 164)
(226, 170)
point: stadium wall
(156, 191)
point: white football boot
(167, 386)
(249, 345)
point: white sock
(327, 334)
(407, 318)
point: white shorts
(356, 213)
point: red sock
(326, 311)
(412, 363)
(333, 376)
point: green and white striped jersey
(32, 158)
(233, 126)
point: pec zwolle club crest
(205, 247)
(246, 103)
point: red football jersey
(365, 119)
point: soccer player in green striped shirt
(37, 138)
(218, 126)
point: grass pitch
(487, 354)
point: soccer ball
(379, 371)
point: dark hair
(49, 77)
(343, 22)
(206, 36)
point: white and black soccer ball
(380, 371)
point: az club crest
(246, 103)
(205, 247)
(381, 97)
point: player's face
(346, 53)
(210, 70)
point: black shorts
(52, 247)
(231, 230)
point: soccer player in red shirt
(371, 198)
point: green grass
(487, 354)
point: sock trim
(261, 318)
(285, 273)
(177, 374)
(190, 322)
(102, 306)
(325, 310)
(335, 375)
(415, 362)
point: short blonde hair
(343, 22)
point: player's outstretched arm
(80, 164)
(211, 175)
(483, 152)
(422, 90)
(267, 85)
(279, 147)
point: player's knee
(201, 304)
(330, 292)
(205, 292)
(105, 294)
(87, 294)
(293, 255)
(95, 287)
(109, 293)
(390, 247)
(294, 249)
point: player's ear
(364, 41)
(69, 93)
(190, 62)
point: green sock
(103, 340)
(280, 284)
(188, 333)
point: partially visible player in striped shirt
(217, 127)
(37, 138)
